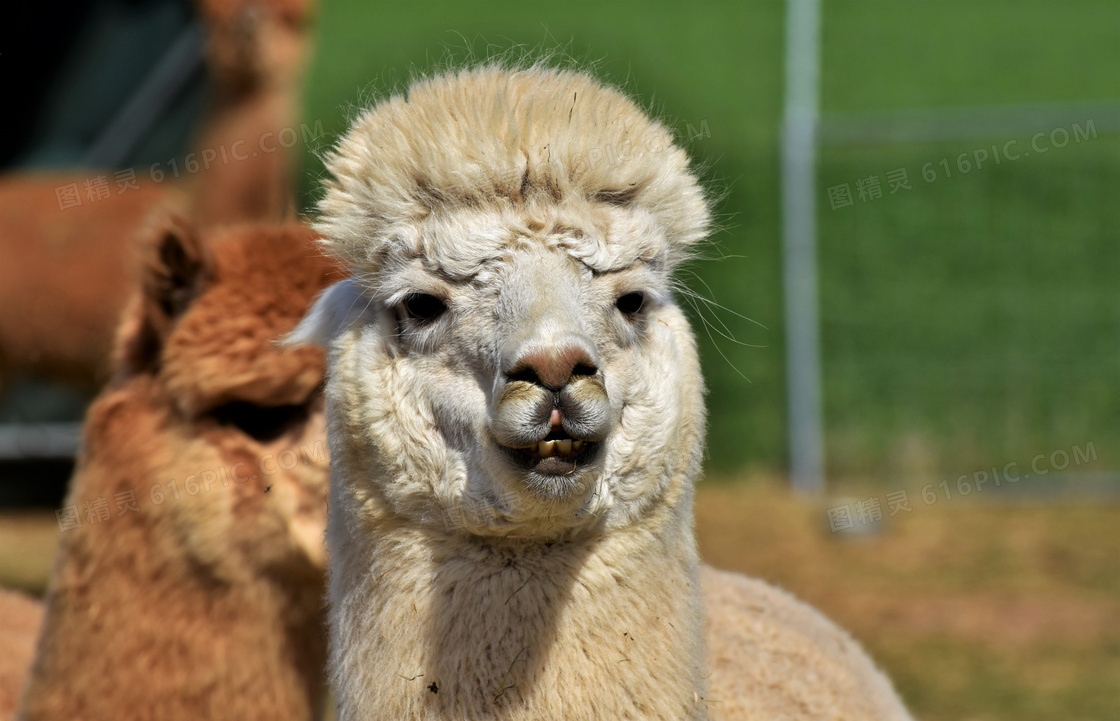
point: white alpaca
(516, 425)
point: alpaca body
(770, 656)
(20, 619)
(809, 662)
(516, 419)
(65, 276)
(147, 617)
(199, 595)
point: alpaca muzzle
(552, 430)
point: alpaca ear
(334, 309)
(176, 268)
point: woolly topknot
(544, 143)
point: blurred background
(966, 238)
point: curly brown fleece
(202, 599)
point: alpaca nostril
(553, 368)
(584, 369)
(526, 375)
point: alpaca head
(507, 357)
(255, 44)
(234, 413)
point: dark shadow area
(34, 483)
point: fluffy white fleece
(524, 208)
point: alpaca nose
(555, 365)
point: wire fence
(953, 303)
(968, 263)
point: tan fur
(207, 606)
(465, 581)
(20, 619)
(773, 657)
(545, 151)
(65, 275)
(256, 53)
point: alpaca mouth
(557, 454)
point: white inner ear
(334, 309)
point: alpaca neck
(429, 625)
(135, 627)
(124, 631)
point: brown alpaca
(197, 593)
(65, 274)
(255, 55)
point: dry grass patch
(28, 541)
(978, 611)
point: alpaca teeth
(562, 448)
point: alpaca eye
(630, 303)
(424, 307)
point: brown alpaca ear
(176, 269)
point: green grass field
(971, 318)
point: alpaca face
(229, 411)
(535, 381)
(507, 357)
